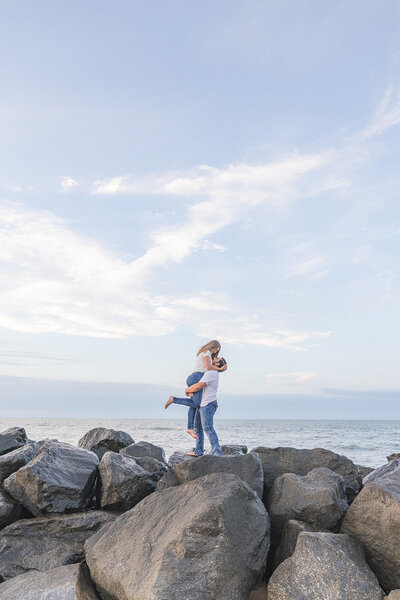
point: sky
(175, 172)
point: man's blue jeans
(194, 402)
(204, 422)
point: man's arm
(196, 387)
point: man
(204, 420)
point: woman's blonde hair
(210, 346)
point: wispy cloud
(387, 114)
(289, 378)
(67, 183)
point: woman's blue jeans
(194, 402)
(204, 421)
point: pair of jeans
(194, 402)
(204, 422)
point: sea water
(365, 442)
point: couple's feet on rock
(193, 454)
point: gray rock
(278, 461)
(101, 440)
(14, 460)
(143, 449)
(394, 595)
(9, 510)
(291, 532)
(12, 438)
(363, 472)
(63, 583)
(124, 482)
(155, 467)
(393, 456)
(324, 566)
(177, 457)
(374, 520)
(47, 542)
(59, 479)
(389, 468)
(318, 498)
(233, 449)
(204, 540)
(169, 480)
(246, 466)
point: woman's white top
(200, 362)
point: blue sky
(173, 172)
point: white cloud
(67, 183)
(387, 114)
(289, 378)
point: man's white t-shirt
(200, 362)
(211, 378)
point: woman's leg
(196, 398)
(207, 420)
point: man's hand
(224, 368)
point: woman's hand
(224, 368)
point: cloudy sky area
(173, 172)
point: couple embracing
(202, 397)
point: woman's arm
(209, 366)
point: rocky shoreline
(112, 519)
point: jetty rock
(144, 449)
(207, 539)
(177, 457)
(325, 566)
(233, 449)
(62, 583)
(390, 468)
(46, 542)
(291, 532)
(318, 498)
(278, 461)
(101, 440)
(374, 520)
(395, 595)
(11, 439)
(9, 509)
(59, 479)
(14, 460)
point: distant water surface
(365, 442)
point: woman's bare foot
(192, 454)
(192, 433)
(169, 402)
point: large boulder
(124, 482)
(59, 479)
(246, 466)
(177, 457)
(278, 461)
(204, 540)
(291, 532)
(374, 520)
(395, 595)
(62, 583)
(363, 472)
(12, 438)
(143, 449)
(169, 480)
(9, 509)
(391, 468)
(47, 542)
(318, 498)
(101, 440)
(14, 460)
(324, 566)
(233, 449)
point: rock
(324, 566)
(9, 510)
(390, 468)
(124, 482)
(143, 449)
(394, 595)
(204, 540)
(318, 498)
(169, 480)
(374, 520)
(246, 466)
(393, 456)
(363, 472)
(291, 532)
(177, 457)
(47, 542)
(59, 479)
(278, 461)
(101, 440)
(63, 583)
(233, 449)
(259, 592)
(14, 460)
(12, 438)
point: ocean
(365, 442)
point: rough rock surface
(363, 472)
(47, 542)
(390, 468)
(63, 583)
(205, 540)
(246, 466)
(318, 498)
(374, 520)
(395, 595)
(140, 449)
(177, 457)
(9, 510)
(59, 479)
(101, 440)
(124, 482)
(324, 566)
(12, 438)
(14, 460)
(393, 456)
(233, 449)
(278, 461)
(169, 480)
(290, 533)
